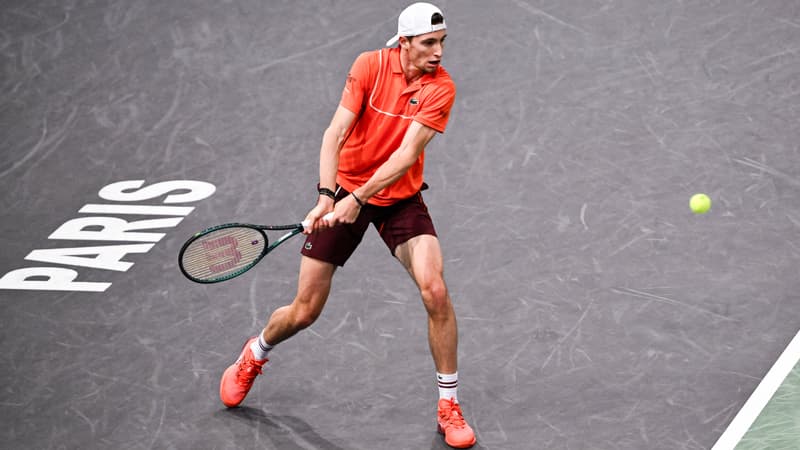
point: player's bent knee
(435, 297)
(305, 315)
(304, 320)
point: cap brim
(393, 40)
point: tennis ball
(700, 203)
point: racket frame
(293, 230)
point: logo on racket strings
(222, 253)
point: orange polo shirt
(377, 92)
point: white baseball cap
(416, 20)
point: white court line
(760, 397)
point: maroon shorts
(395, 223)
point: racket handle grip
(328, 216)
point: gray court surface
(595, 310)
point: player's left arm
(431, 119)
(414, 141)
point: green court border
(755, 405)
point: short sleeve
(435, 108)
(357, 86)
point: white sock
(448, 385)
(260, 348)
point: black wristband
(358, 200)
(326, 192)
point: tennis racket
(226, 251)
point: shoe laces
(452, 413)
(249, 369)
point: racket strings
(223, 252)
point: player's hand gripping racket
(226, 251)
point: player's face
(425, 50)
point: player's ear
(405, 42)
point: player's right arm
(332, 141)
(354, 95)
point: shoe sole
(441, 431)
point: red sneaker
(238, 377)
(453, 426)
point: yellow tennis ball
(700, 203)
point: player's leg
(422, 257)
(313, 286)
(322, 253)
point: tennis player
(395, 100)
